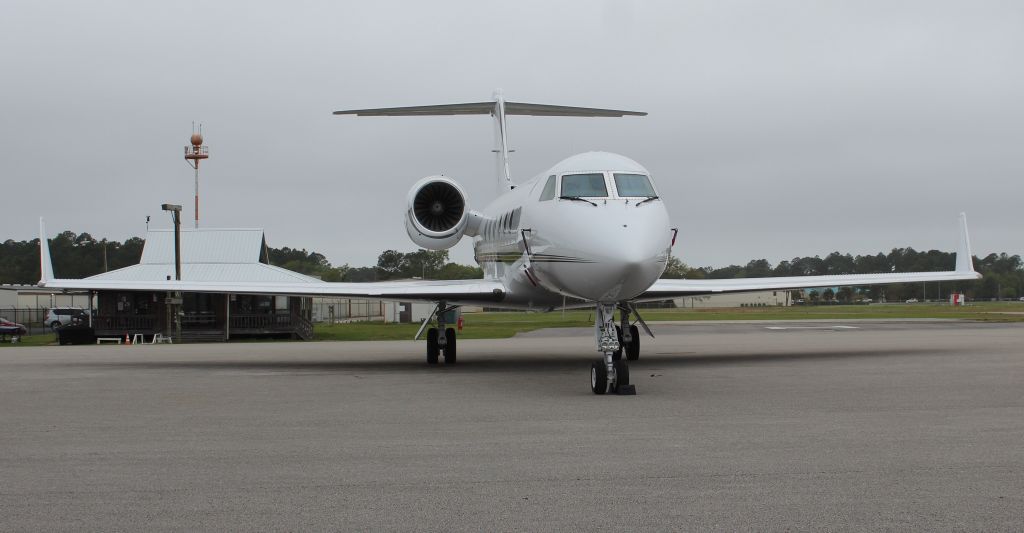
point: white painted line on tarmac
(780, 328)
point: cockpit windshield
(633, 185)
(585, 185)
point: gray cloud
(776, 129)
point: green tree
(457, 271)
(391, 264)
(424, 263)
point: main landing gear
(629, 337)
(440, 340)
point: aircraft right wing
(455, 291)
(465, 290)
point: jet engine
(438, 214)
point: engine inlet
(438, 206)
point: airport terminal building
(212, 255)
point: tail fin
(45, 264)
(499, 109)
(501, 143)
(964, 260)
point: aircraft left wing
(673, 288)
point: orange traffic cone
(127, 341)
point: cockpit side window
(586, 185)
(549, 189)
(633, 185)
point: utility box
(76, 334)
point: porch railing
(127, 323)
(262, 322)
(283, 322)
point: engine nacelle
(438, 214)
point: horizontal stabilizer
(499, 108)
(488, 108)
(545, 110)
(476, 108)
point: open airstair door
(499, 109)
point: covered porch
(205, 317)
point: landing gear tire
(433, 350)
(621, 375)
(449, 347)
(617, 354)
(633, 349)
(598, 377)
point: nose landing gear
(609, 374)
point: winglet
(964, 262)
(45, 264)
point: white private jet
(590, 231)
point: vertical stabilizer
(964, 261)
(45, 265)
(501, 143)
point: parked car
(1021, 299)
(912, 301)
(62, 316)
(13, 329)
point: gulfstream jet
(589, 232)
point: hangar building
(214, 255)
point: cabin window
(589, 185)
(549, 189)
(633, 185)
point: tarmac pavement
(870, 425)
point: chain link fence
(30, 317)
(334, 310)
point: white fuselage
(606, 248)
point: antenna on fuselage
(499, 109)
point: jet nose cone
(626, 250)
(635, 268)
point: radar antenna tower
(194, 153)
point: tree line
(391, 264)
(81, 255)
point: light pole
(174, 300)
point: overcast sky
(776, 129)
